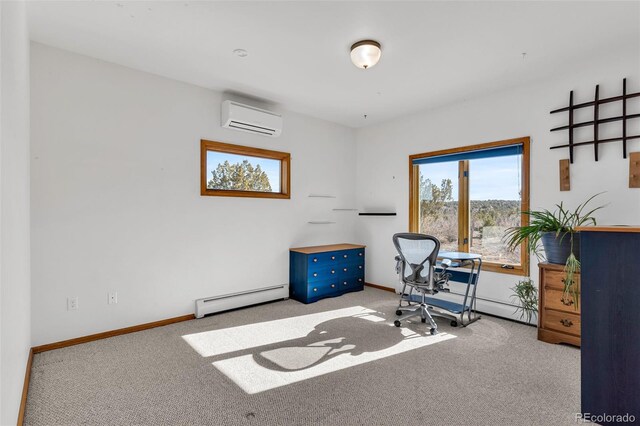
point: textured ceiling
(434, 53)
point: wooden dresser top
(330, 247)
(609, 228)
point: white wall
(383, 152)
(116, 203)
(15, 308)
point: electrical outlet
(72, 303)
(113, 298)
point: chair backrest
(418, 253)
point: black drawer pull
(566, 302)
(566, 322)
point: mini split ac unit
(250, 119)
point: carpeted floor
(338, 361)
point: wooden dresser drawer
(563, 322)
(559, 322)
(555, 280)
(555, 299)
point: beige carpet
(338, 361)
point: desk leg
(473, 281)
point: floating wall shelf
(377, 214)
(345, 210)
(321, 196)
(320, 222)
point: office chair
(416, 260)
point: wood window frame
(463, 198)
(227, 148)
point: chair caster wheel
(396, 323)
(398, 312)
(433, 331)
(454, 323)
(424, 320)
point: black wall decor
(597, 121)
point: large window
(468, 197)
(240, 171)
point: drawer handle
(359, 254)
(333, 286)
(315, 274)
(333, 272)
(345, 256)
(315, 259)
(360, 267)
(345, 269)
(566, 302)
(315, 289)
(344, 283)
(359, 279)
(333, 258)
(566, 322)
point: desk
(456, 311)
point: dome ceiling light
(365, 53)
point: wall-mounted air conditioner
(250, 119)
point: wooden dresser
(558, 319)
(325, 271)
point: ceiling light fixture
(365, 53)
(240, 52)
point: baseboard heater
(226, 302)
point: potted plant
(555, 231)
(526, 294)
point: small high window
(239, 171)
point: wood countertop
(330, 247)
(609, 228)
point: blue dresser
(325, 271)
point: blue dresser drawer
(353, 281)
(352, 270)
(317, 273)
(351, 256)
(322, 272)
(336, 257)
(323, 288)
(323, 259)
(326, 271)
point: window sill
(252, 194)
(497, 268)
